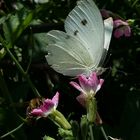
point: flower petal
(47, 105)
(118, 33)
(94, 81)
(101, 81)
(84, 83)
(77, 86)
(82, 99)
(37, 112)
(119, 22)
(55, 99)
(127, 31)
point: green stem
(4, 89)
(91, 132)
(25, 75)
(103, 132)
(12, 131)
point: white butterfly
(82, 49)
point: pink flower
(88, 86)
(106, 13)
(121, 28)
(47, 107)
(119, 22)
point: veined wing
(108, 26)
(86, 24)
(66, 54)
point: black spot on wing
(75, 32)
(67, 37)
(84, 22)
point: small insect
(34, 103)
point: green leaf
(40, 44)
(48, 138)
(4, 18)
(66, 134)
(41, 1)
(16, 24)
(2, 53)
(36, 44)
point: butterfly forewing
(85, 23)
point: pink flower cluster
(88, 86)
(121, 28)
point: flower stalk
(12, 131)
(59, 118)
(103, 132)
(25, 75)
(91, 132)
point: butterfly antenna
(108, 73)
(122, 72)
(118, 71)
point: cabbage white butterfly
(82, 49)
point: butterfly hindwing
(66, 54)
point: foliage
(24, 73)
